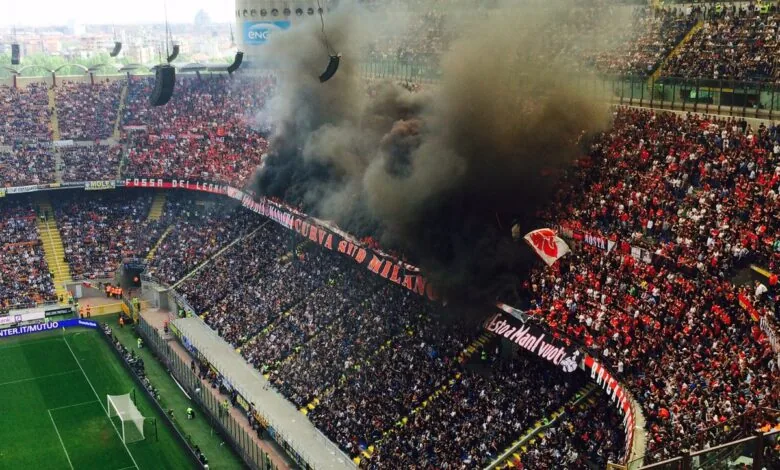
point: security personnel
(140, 343)
(718, 9)
(190, 413)
(89, 311)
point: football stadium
(390, 234)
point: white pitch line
(60, 437)
(72, 406)
(101, 403)
(39, 377)
(28, 343)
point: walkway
(287, 421)
(157, 318)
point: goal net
(132, 421)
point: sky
(59, 12)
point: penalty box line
(60, 438)
(31, 379)
(118, 434)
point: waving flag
(547, 245)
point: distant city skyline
(60, 13)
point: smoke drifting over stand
(436, 175)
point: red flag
(547, 245)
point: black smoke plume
(438, 175)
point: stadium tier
(661, 314)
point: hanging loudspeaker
(236, 62)
(14, 54)
(333, 65)
(174, 54)
(165, 80)
(117, 49)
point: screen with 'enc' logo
(258, 32)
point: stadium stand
(90, 162)
(199, 230)
(88, 111)
(670, 325)
(26, 114)
(740, 43)
(203, 134)
(98, 232)
(586, 436)
(374, 367)
(25, 280)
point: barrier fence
(233, 431)
(757, 452)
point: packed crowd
(200, 228)
(738, 44)
(93, 162)
(26, 163)
(99, 231)
(204, 133)
(701, 195)
(366, 352)
(653, 35)
(480, 414)
(24, 274)
(87, 111)
(25, 112)
(584, 436)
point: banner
(745, 303)
(535, 340)
(375, 261)
(619, 396)
(26, 189)
(22, 317)
(58, 311)
(23, 330)
(174, 184)
(2, 192)
(769, 330)
(641, 254)
(547, 245)
(599, 242)
(99, 185)
(63, 143)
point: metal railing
(757, 452)
(236, 435)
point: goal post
(131, 420)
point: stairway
(54, 250)
(120, 112)
(676, 51)
(55, 123)
(150, 255)
(158, 206)
(512, 456)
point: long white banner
(22, 317)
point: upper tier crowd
(738, 42)
(701, 196)
(204, 133)
(88, 111)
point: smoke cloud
(439, 175)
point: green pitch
(53, 389)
